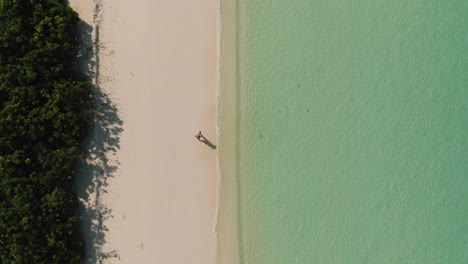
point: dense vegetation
(44, 107)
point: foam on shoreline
(218, 125)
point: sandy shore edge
(228, 247)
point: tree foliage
(44, 107)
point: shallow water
(352, 131)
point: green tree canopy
(45, 105)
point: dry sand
(155, 186)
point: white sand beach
(157, 65)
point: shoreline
(157, 198)
(227, 229)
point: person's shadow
(205, 141)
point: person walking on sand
(199, 136)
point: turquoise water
(352, 131)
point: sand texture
(151, 192)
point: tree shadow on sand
(98, 148)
